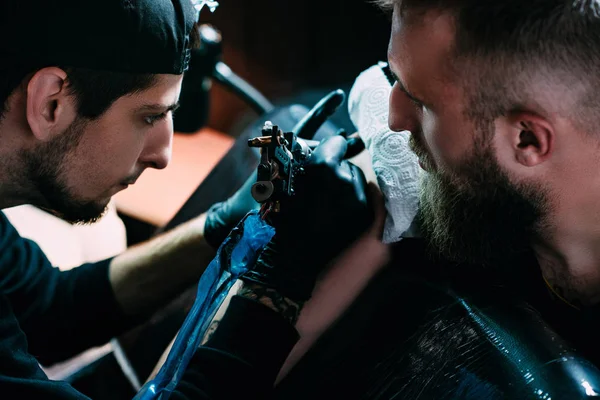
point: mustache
(417, 146)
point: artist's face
(77, 171)
(470, 210)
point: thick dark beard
(44, 167)
(478, 216)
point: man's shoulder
(10, 242)
(10, 239)
(8, 233)
(20, 258)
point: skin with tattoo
(288, 309)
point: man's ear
(50, 108)
(529, 137)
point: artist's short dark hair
(94, 90)
(504, 47)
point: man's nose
(403, 114)
(158, 149)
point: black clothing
(47, 315)
(60, 312)
(422, 329)
(427, 329)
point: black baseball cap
(139, 36)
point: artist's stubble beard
(45, 167)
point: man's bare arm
(149, 275)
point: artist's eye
(152, 119)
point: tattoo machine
(283, 154)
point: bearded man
(498, 298)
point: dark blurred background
(294, 51)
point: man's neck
(9, 195)
(571, 265)
(15, 188)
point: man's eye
(152, 119)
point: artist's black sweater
(48, 315)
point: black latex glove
(222, 217)
(328, 212)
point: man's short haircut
(93, 90)
(513, 54)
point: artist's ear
(525, 138)
(50, 108)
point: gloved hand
(328, 212)
(222, 217)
